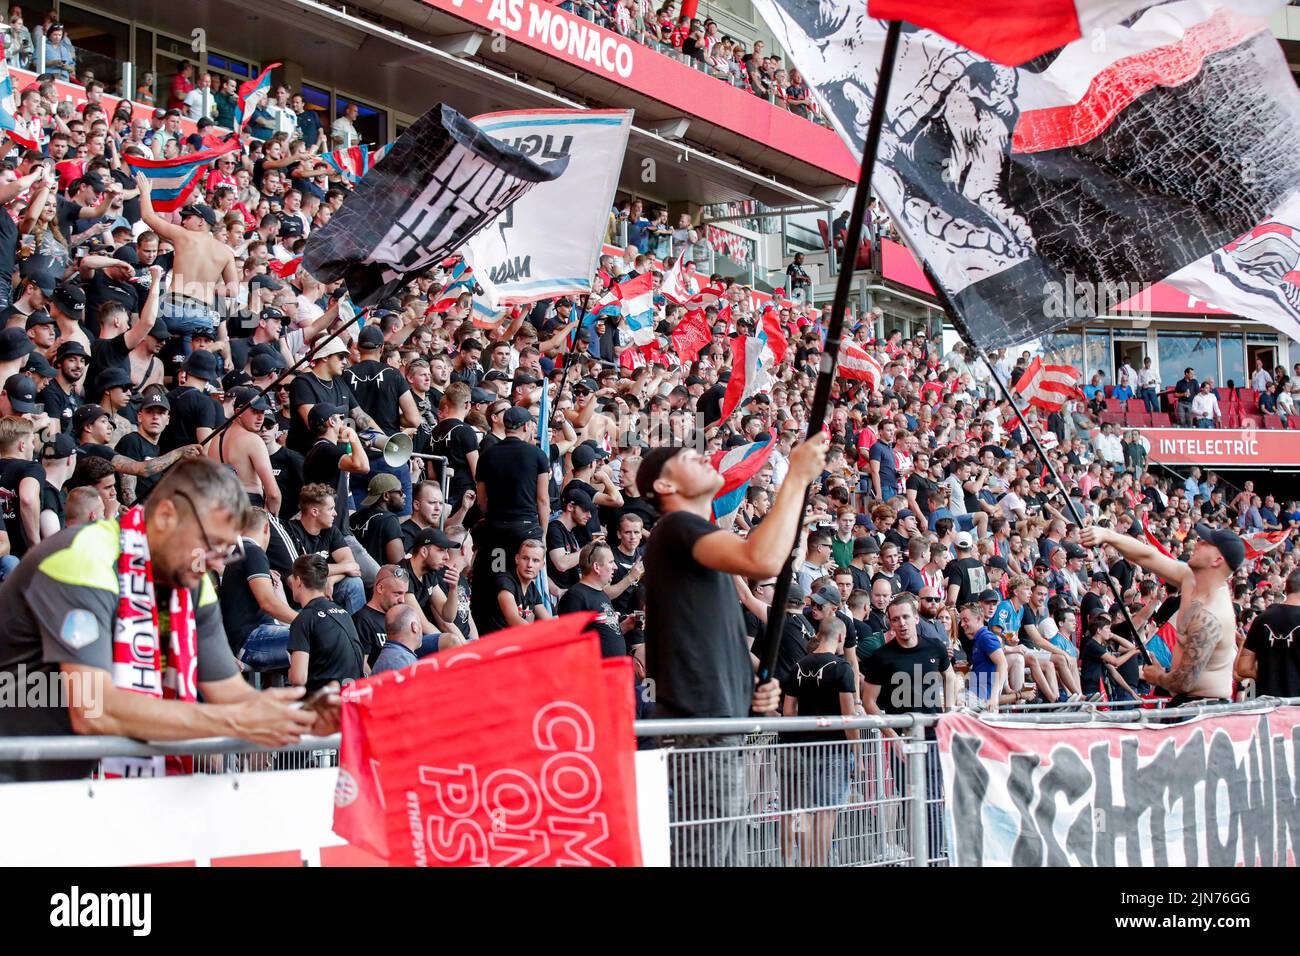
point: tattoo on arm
(1199, 637)
(364, 422)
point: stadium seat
(1249, 421)
(1231, 418)
(1114, 405)
(1159, 419)
(1138, 419)
(1293, 423)
(1112, 418)
(1273, 422)
(1136, 405)
(1110, 390)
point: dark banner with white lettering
(440, 183)
(1214, 791)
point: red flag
(747, 375)
(691, 335)
(515, 750)
(1048, 386)
(856, 363)
(1009, 31)
(1261, 543)
(776, 340)
(285, 270)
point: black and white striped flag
(440, 183)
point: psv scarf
(138, 662)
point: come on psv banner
(524, 257)
(1213, 791)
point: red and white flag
(1012, 31)
(707, 297)
(1049, 386)
(776, 338)
(1262, 542)
(677, 285)
(691, 335)
(747, 375)
(857, 363)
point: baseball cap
(516, 416)
(964, 541)
(85, 416)
(38, 317)
(335, 346)
(584, 455)
(68, 350)
(576, 496)
(60, 446)
(70, 299)
(652, 465)
(826, 595)
(588, 383)
(271, 313)
(988, 595)
(235, 379)
(42, 280)
(250, 397)
(38, 364)
(321, 413)
(496, 375)
(427, 536)
(1228, 542)
(796, 595)
(155, 398)
(264, 363)
(371, 337)
(905, 513)
(999, 562)
(14, 344)
(115, 377)
(206, 213)
(159, 330)
(201, 364)
(379, 486)
(481, 396)
(523, 378)
(1073, 551)
(21, 392)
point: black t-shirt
(1092, 669)
(286, 466)
(455, 441)
(525, 601)
(326, 632)
(378, 388)
(970, 576)
(191, 410)
(374, 527)
(709, 404)
(421, 587)
(633, 597)
(696, 652)
(8, 253)
(509, 473)
(138, 448)
(55, 500)
(239, 608)
(558, 537)
(923, 487)
(321, 463)
(309, 390)
(12, 473)
(796, 632)
(68, 215)
(325, 544)
(1122, 572)
(372, 631)
(1274, 639)
(581, 597)
(816, 682)
(105, 354)
(896, 669)
(59, 405)
(1090, 605)
(101, 289)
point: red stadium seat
(1112, 418)
(1273, 422)
(1138, 419)
(1110, 390)
(1114, 405)
(1159, 419)
(1293, 423)
(1231, 418)
(1136, 405)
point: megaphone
(397, 451)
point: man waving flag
(738, 466)
(251, 95)
(1049, 386)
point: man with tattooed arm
(1201, 668)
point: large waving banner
(1109, 163)
(515, 750)
(522, 253)
(1213, 791)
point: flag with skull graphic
(440, 183)
(1109, 163)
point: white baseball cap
(964, 541)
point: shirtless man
(1207, 630)
(587, 422)
(204, 268)
(146, 366)
(241, 447)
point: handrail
(95, 747)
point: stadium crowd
(130, 336)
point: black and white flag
(1107, 164)
(440, 183)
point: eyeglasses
(210, 553)
(925, 600)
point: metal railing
(758, 792)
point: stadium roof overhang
(380, 65)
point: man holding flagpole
(697, 657)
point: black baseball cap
(989, 595)
(523, 378)
(250, 397)
(435, 537)
(85, 416)
(371, 337)
(517, 416)
(70, 299)
(21, 392)
(42, 279)
(14, 344)
(652, 465)
(155, 398)
(38, 317)
(481, 396)
(206, 213)
(322, 413)
(264, 363)
(38, 364)
(60, 446)
(1228, 542)
(826, 595)
(576, 496)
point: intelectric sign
(1215, 446)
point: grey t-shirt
(60, 606)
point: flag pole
(771, 638)
(942, 295)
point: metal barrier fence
(788, 791)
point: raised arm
(151, 219)
(1141, 553)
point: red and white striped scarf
(138, 662)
